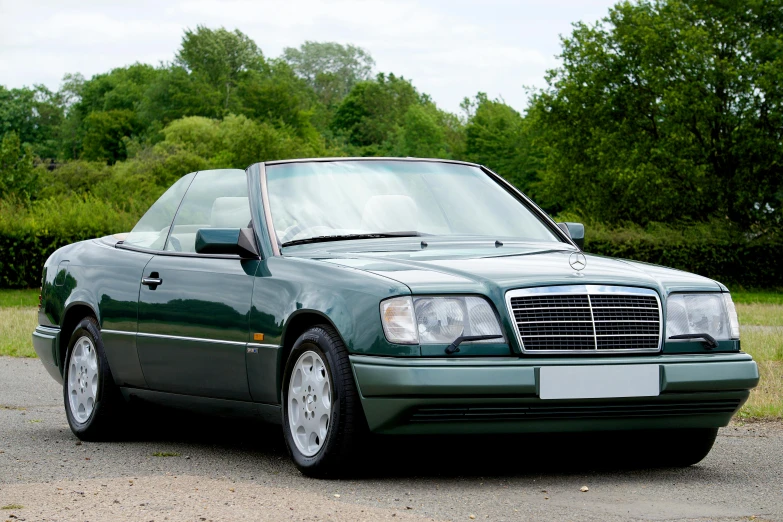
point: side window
(153, 228)
(216, 199)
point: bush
(712, 250)
(29, 235)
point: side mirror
(239, 241)
(576, 231)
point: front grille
(586, 319)
(611, 410)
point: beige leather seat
(230, 212)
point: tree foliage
(17, 177)
(665, 110)
(669, 110)
(219, 56)
(373, 111)
(329, 68)
(497, 136)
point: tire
(93, 401)
(318, 448)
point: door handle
(152, 281)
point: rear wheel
(322, 417)
(92, 400)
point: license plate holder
(599, 381)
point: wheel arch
(298, 323)
(74, 313)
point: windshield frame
(529, 204)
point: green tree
(280, 98)
(422, 134)
(669, 110)
(34, 115)
(123, 89)
(373, 112)
(177, 93)
(329, 68)
(499, 137)
(18, 178)
(104, 132)
(220, 57)
(235, 141)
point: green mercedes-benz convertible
(345, 297)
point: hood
(479, 267)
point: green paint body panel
(392, 389)
(190, 339)
(45, 343)
(202, 308)
(391, 416)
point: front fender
(288, 290)
(348, 298)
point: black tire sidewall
(317, 341)
(88, 328)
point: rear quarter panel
(96, 277)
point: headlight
(731, 310)
(437, 320)
(713, 314)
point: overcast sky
(448, 48)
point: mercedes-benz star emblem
(577, 261)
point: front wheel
(92, 400)
(322, 415)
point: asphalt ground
(220, 469)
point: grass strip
(21, 298)
(16, 331)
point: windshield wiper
(709, 340)
(454, 347)
(346, 237)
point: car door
(194, 308)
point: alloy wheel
(82, 379)
(309, 403)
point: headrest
(230, 212)
(390, 213)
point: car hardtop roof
(373, 158)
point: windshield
(344, 198)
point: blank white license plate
(596, 382)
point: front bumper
(500, 395)
(46, 343)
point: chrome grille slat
(591, 335)
(586, 318)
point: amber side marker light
(40, 298)
(258, 337)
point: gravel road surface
(228, 470)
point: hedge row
(733, 261)
(23, 257)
